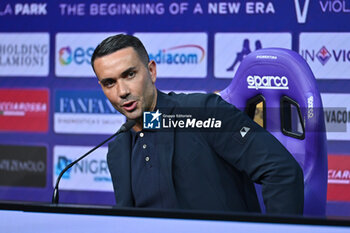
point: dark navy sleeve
(254, 151)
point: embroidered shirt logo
(244, 131)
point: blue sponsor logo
(178, 56)
(83, 102)
(61, 164)
(152, 120)
(98, 168)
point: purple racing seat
(277, 89)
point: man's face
(127, 82)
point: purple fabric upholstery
(292, 77)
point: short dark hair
(117, 42)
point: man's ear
(99, 82)
(152, 68)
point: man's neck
(138, 126)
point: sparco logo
(267, 82)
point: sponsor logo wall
(231, 49)
(338, 178)
(49, 93)
(74, 51)
(90, 174)
(24, 110)
(337, 115)
(23, 166)
(24, 54)
(182, 55)
(328, 54)
(86, 112)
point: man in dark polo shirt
(191, 169)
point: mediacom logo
(177, 54)
(90, 174)
(85, 112)
(24, 54)
(74, 51)
(24, 110)
(338, 178)
(23, 166)
(328, 54)
(173, 56)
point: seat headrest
(272, 72)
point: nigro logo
(89, 174)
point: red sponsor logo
(24, 110)
(338, 178)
